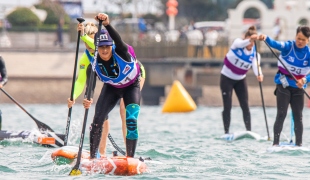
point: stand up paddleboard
(240, 135)
(117, 165)
(285, 146)
(47, 139)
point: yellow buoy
(178, 100)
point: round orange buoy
(118, 165)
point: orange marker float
(117, 165)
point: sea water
(181, 145)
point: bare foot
(103, 155)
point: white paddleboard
(286, 147)
(241, 135)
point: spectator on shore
(59, 32)
(142, 28)
(276, 30)
(211, 37)
(191, 25)
(195, 39)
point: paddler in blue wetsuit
(120, 72)
(295, 56)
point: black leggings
(294, 97)
(107, 100)
(241, 90)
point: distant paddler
(3, 81)
(239, 59)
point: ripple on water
(181, 146)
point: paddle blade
(75, 171)
(43, 127)
(80, 19)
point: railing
(145, 48)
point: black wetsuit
(294, 97)
(110, 95)
(241, 90)
(4, 77)
(3, 80)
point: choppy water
(187, 145)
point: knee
(132, 111)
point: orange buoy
(178, 100)
(117, 165)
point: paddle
(41, 126)
(292, 127)
(261, 93)
(73, 81)
(115, 145)
(76, 169)
(0, 120)
(286, 68)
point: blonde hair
(90, 28)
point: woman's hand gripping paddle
(80, 20)
(76, 169)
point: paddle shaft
(261, 92)
(40, 125)
(286, 68)
(73, 82)
(292, 127)
(0, 120)
(75, 170)
(264, 109)
(78, 161)
(115, 145)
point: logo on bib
(239, 53)
(290, 58)
(126, 69)
(305, 63)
